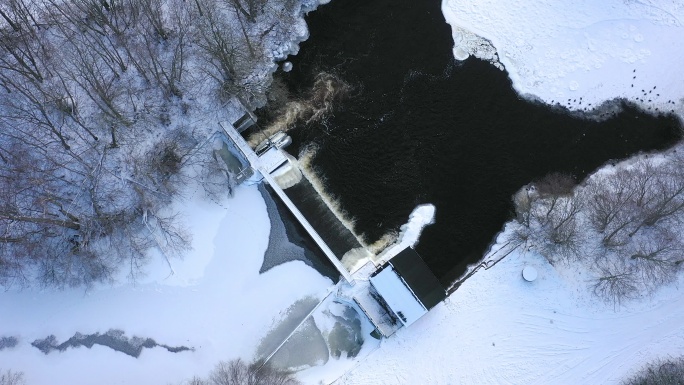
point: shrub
(12, 378)
(660, 372)
(237, 372)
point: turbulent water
(417, 127)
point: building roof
(418, 277)
(397, 295)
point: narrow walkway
(309, 229)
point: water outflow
(423, 129)
(338, 237)
(318, 102)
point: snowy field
(216, 303)
(499, 329)
(579, 53)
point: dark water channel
(419, 127)
(114, 339)
(289, 241)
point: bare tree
(12, 378)
(222, 47)
(163, 36)
(104, 18)
(552, 217)
(609, 201)
(101, 84)
(237, 372)
(44, 228)
(606, 198)
(29, 103)
(70, 221)
(248, 8)
(665, 200)
(555, 184)
(562, 222)
(553, 187)
(24, 48)
(94, 24)
(616, 281)
(153, 12)
(230, 53)
(622, 204)
(657, 258)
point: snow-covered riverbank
(579, 53)
(216, 303)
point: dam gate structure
(391, 295)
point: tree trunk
(56, 222)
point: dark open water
(420, 128)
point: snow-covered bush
(622, 224)
(237, 372)
(547, 211)
(12, 378)
(661, 372)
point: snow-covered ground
(216, 303)
(579, 53)
(500, 329)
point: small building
(407, 286)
